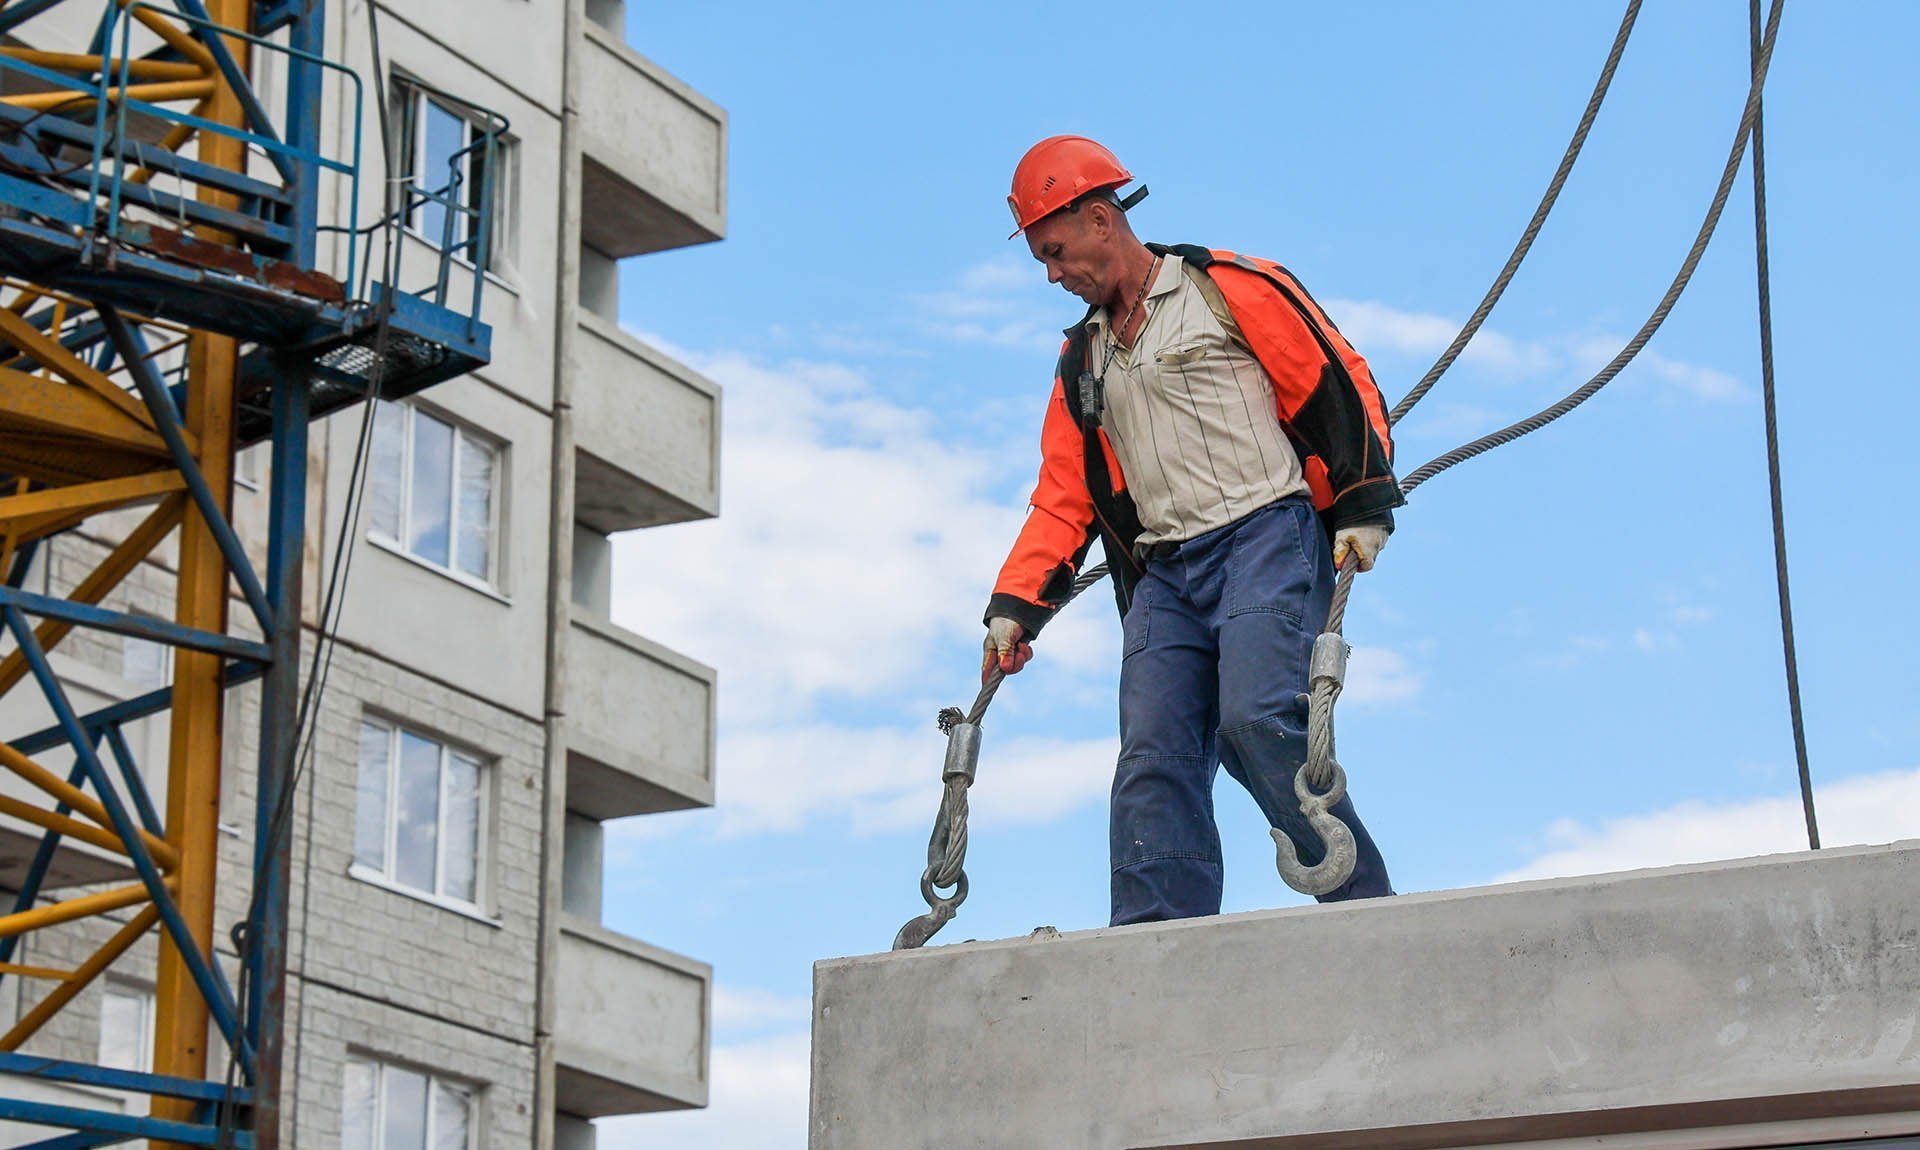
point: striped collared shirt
(1190, 414)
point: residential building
(451, 983)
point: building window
(389, 1107)
(417, 813)
(126, 1027)
(145, 664)
(432, 490)
(445, 153)
(249, 464)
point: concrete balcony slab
(639, 724)
(647, 428)
(1765, 1002)
(632, 1032)
(655, 153)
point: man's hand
(1006, 645)
(1364, 541)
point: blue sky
(1568, 659)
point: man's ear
(1100, 219)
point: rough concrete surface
(1776, 990)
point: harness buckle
(1093, 400)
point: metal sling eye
(1336, 866)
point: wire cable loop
(947, 845)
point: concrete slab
(1778, 995)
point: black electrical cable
(1773, 444)
(306, 722)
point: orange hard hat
(1057, 171)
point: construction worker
(1229, 448)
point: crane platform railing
(96, 199)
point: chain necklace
(1114, 334)
(1093, 388)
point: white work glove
(1005, 645)
(1364, 541)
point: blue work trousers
(1213, 673)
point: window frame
(143, 1043)
(131, 643)
(414, 97)
(252, 463)
(386, 874)
(381, 1069)
(490, 582)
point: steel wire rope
(332, 603)
(1320, 761)
(1765, 292)
(947, 845)
(1532, 230)
(1763, 57)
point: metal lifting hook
(1326, 674)
(1336, 866)
(917, 931)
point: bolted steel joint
(1329, 660)
(963, 752)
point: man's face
(1074, 253)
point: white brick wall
(334, 1025)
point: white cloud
(995, 303)
(1446, 419)
(888, 778)
(1035, 780)
(757, 1101)
(738, 1009)
(849, 340)
(1875, 808)
(1707, 384)
(1378, 675)
(1649, 641)
(853, 540)
(1372, 324)
(1695, 381)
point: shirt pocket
(1180, 356)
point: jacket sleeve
(1054, 539)
(1324, 390)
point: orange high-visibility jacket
(1328, 404)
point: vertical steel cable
(1773, 444)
